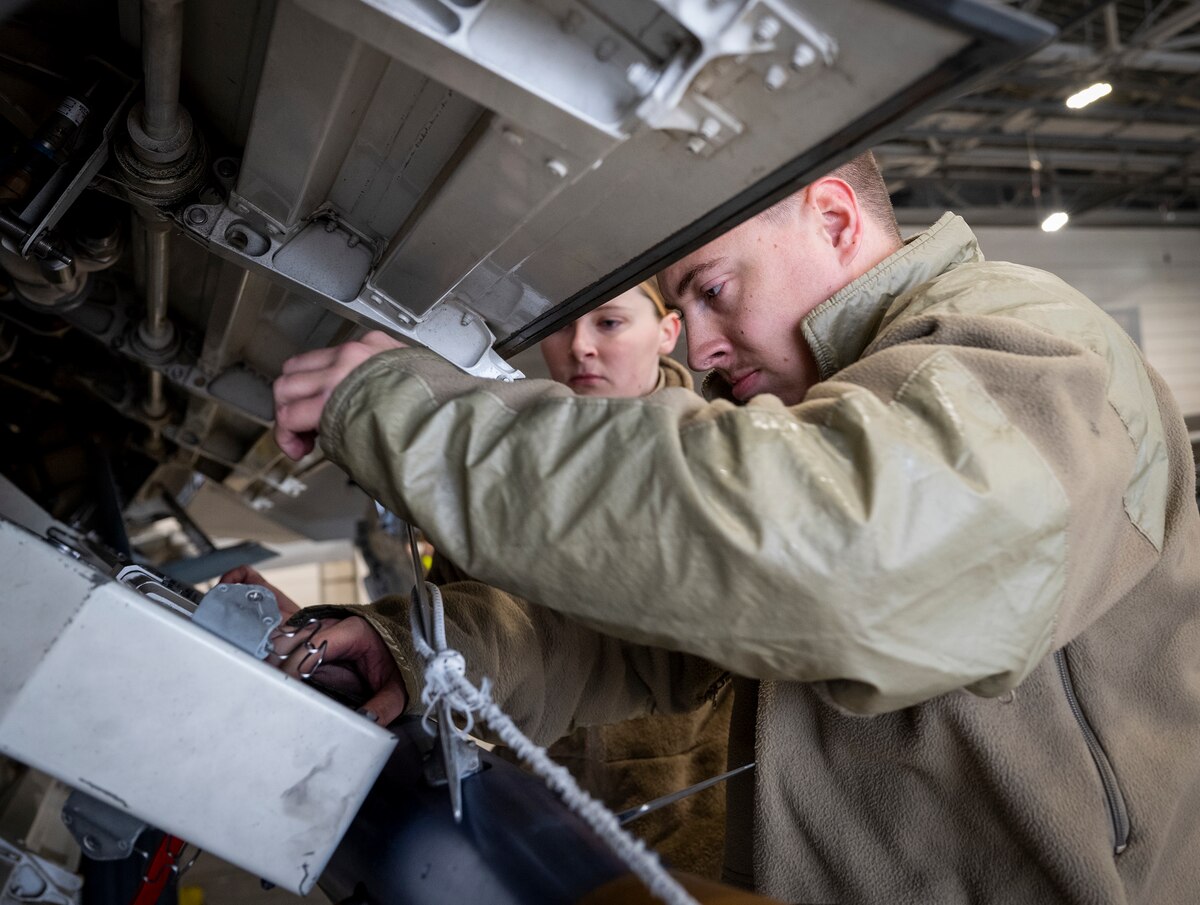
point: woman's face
(612, 350)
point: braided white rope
(445, 680)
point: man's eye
(711, 292)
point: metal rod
(162, 56)
(201, 541)
(641, 810)
(157, 331)
(156, 403)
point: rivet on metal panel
(571, 21)
(776, 77)
(557, 167)
(605, 49)
(512, 136)
(641, 76)
(804, 56)
(766, 30)
(696, 144)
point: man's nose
(707, 349)
(582, 343)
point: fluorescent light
(1089, 94)
(1055, 222)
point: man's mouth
(743, 384)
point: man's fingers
(388, 704)
(312, 360)
(242, 575)
(299, 418)
(301, 385)
(381, 341)
(295, 446)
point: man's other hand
(248, 575)
(307, 382)
(356, 661)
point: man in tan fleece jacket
(940, 516)
(617, 350)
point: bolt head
(776, 77)
(767, 29)
(197, 216)
(804, 56)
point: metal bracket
(682, 96)
(103, 832)
(242, 614)
(159, 588)
(451, 329)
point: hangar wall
(1149, 279)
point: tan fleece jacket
(623, 764)
(988, 473)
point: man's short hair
(862, 174)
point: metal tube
(162, 55)
(157, 331)
(156, 403)
(1112, 28)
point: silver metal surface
(170, 723)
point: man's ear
(842, 219)
(668, 332)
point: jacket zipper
(1117, 813)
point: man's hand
(307, 382)
(356, 661)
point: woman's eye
(610, 323)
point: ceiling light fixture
(1087, 95)
(1055, 222)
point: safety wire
(445, 680)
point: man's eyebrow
(703, 267)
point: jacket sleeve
(548, 672)
(894, 545)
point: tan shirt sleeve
(550, 673)
(895, 545)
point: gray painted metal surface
(453, 173)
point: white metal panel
(133, 704)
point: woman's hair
(650, 289)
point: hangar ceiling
(1010, 151)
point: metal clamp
(242, 614)
(102, 831)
